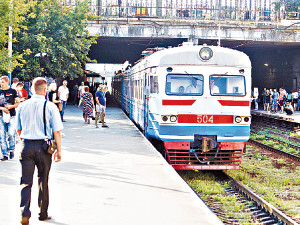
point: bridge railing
(190, 13)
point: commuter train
(193, 100)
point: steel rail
(269, 148)
(264, 205)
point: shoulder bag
(49, 145)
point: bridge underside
(274, 64)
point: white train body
(198, 107)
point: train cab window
(221, 85)
(153, 84)
(184, 84)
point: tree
(11, 14)
(290, 5)
(60, 32)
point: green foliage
(12, 13)
(290, 5)
(58, 31)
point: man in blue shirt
(100, 105)
(30, 128)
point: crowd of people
(277, 101)
(37, 115)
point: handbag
(49, 145)
(59, 106)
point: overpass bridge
(286, 31)
(272, 42)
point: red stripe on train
(205, 119)
(178, 102)
(234, 103)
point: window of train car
(184, 84)
(153, 84)
(221, 85)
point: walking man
(8, 102)
(30, 128)
(63, 94)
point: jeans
(32, 154)
(62, 112)
(7, 136)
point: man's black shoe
(11, 155)
(4, 158)
(64, 121)
(43, 218)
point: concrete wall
(190, 29)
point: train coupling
(204, 142)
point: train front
(202, 109)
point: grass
(279, 185)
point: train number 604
(205, 119)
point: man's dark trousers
(32, 154)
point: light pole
(9, 52)
(10, 43)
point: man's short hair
(20, 84)
(5, 78)
(15, 79)
(39, 83)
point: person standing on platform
(8, 102)
(22, 93)
(100, 106)
(81, 90)
(63, 95)
(30, 128)
(87, 105)
(263, 93)
(14, 83)
(75, 94)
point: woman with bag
(52, 96)
(87, 105)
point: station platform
(280, 116)
(107, 176)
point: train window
(227, 85)
(153, 84)
(184, 84)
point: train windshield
(223, 85)
(184, 84)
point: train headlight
(173, 118)
(238, 119)
(246, 119)
(164, 118)
(205, 53)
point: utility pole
(10, 43)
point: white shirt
(193, 89)
(63, 93)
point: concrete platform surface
(107, 176)
(293, 118)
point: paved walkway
(108, 176)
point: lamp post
(41, 56)
(9, 52)
(10, 43)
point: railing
(190, 13)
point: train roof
(189, 55)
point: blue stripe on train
(223, 132)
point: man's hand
(57, 156)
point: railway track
(278, 151)
(258, 210)
(262, 211)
